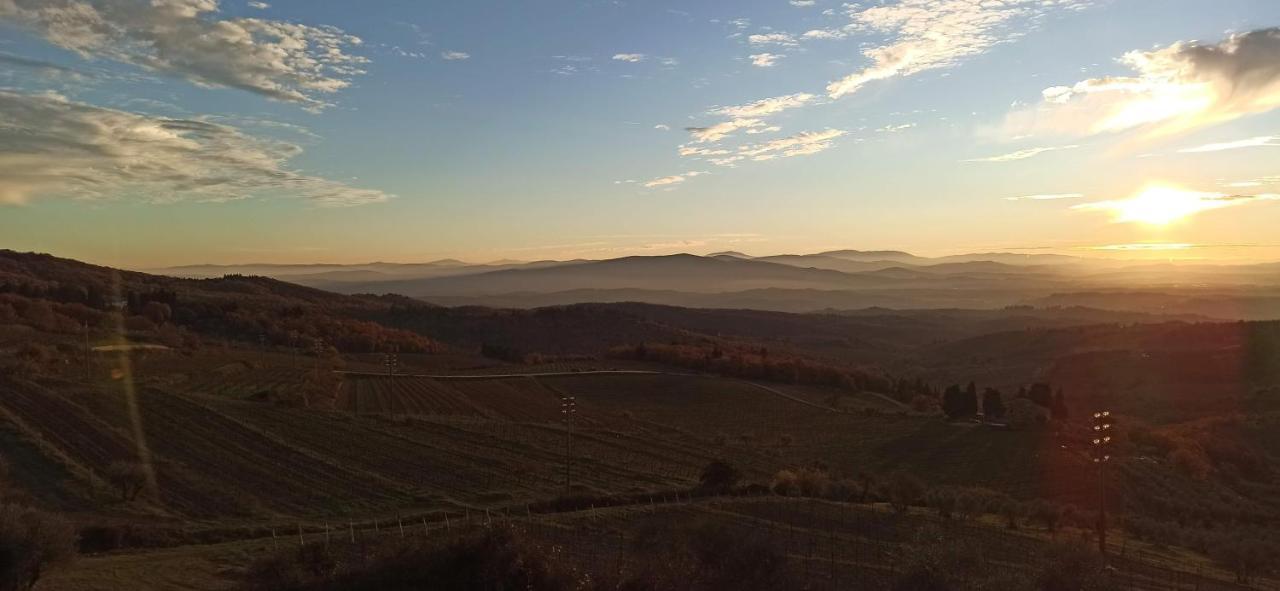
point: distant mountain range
(831, 280)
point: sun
(1159, 205)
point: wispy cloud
(674, 179)
(1021, 154)
(55, 147)
(281, 60)
(455, 55)
(1045, 197)
(803, 3)
(1183, 86)
(632, 58)
(930, 34)
(258, 5)
(1253, 142)
(800, 144)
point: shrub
(129, 477)
(1073, 567)
(784, 483)
(719, 477)
(1047, 513)
(31, 543)
(904, 490)
(812, 482)
(942, 500)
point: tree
(1041, 394)
(157, 312)
(1047, 513)
(993, 404)
(1059, 410)
(31, 542)
(904, 490)
(953, 402)
(129, 477)
(943, 501)
(866, 481)
(970, 399)
(1245, 555)
(1026, 415)
(719, 477)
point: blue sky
(146, 133)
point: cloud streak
(1253, 142)
(54, 147)
(1021, 154)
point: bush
(784, 483)
(1073, 567)
(1047, 513)
(942, 500)
(904, 490)
(1244, 555)
(719, 478)
(31, 543)
(129, 477)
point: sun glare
(1159, 205)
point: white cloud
(929, 34)
(662, 127)
(1045, 197)
(674, 179)
(1253, 142)
(455, 55)
(896, 128)
(747, 116)
(824, 34)
(1021, 154)
(800, 144)
(54, 147)
(802, 3)
(765, 107)
(771, 39)
(259, 5)
(765, 60)
(281, 60)
(629, 57)
(1177, 88)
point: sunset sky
(149, 133)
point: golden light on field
(1161, 205)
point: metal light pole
(1101, 449)
(392, 362)
(568, 408)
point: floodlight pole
(1102, 427)
(568, 408)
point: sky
(148, 133)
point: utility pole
(568, 408)
(1102, 428)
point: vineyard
(828, 546)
